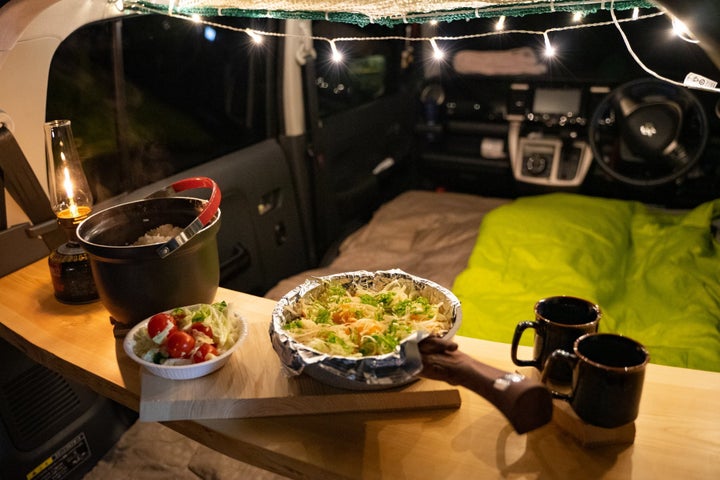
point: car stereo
(556, 106)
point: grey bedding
(424, 233)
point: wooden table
(677, 432)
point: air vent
(35, 405)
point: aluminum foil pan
(377, 372)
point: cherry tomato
(180, 344)
(161, 323)
(202, 328)
(201, 354)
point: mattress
(654, 273)
(424, 233)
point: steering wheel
(648, 132)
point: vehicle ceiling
(699, 16)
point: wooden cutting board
(254, 384)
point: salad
(185, 335)
(358, 321)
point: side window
(368, 69)
(150, 96)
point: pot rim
(84, 225)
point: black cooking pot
(137, 281)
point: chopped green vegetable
(355, 320)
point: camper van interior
(506, 150)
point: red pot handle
(204, 217)
(213, 202)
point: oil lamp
(71, 200)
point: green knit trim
(516, 10)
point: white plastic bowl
(189, 371)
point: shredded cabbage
(357, 321)
(225, 329)
(216, 316)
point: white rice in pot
(160, 234)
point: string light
(705, 84)
(437, 53)
(407, 39)
(578, 16)
(681, 30)
(691, 80)
(256, 37)
(336, 55)
(549, 49)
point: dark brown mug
(608, 377)
(559, 321)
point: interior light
(635, 13)
(578, 16)
(196, 18)
(500, 25)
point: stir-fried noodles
(359, 321)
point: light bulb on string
(635, 13)
(500, 24)
(549, 49)
(438, 54)
(196, 18)
(577, 17)
(681, 30)
(256, 37)
(336, 54)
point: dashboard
(508, 137)
(538, 130)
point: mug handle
(555, 357)
(519, 329)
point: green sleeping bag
(655, 274)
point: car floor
(150, 451)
